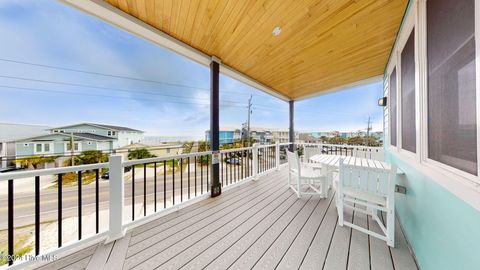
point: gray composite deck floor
(258, 225)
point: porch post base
(216, 190)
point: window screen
(452, 137)
(393, 107)
(408, 95)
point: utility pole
(248, 120)
(72, 149)
(368, 132)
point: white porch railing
(310, 149)
(137, 191)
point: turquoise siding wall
(59, 147)
(22, 150)
(104, 146)
(86, 146)
(443, 230)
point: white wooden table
(333, 161)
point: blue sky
(152, 88)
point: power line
(113, 89)
(109, 75)
(104, 88)
(98, 95)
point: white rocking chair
(372, 188)
(308, 180)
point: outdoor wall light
(382, 101)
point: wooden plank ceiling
(323, 43)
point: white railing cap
(51, 171)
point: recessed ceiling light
(276, 31)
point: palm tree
(140, 153)
(32, 162)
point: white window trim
(35, 152)
(75, 151)
(409, 25)
(390, 68)
(447, 176)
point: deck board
(81, 257)
(260, 224)
(380, 258)
(337, 256)
(209, 235)
(314, 258)
(173, 231)
(359, 254)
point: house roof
(90, 136)
(112, 127)
(11, 132)
(77, 136)
(153, 146)
(322, 46)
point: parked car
(235, 161)
(106, 174)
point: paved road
(24, 204)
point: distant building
(259, 134)
(85, 136)
(155, 149)
(226, 136)
(120, 136)
(9, 133)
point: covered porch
(295, 50)
(256, 225)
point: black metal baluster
(263, 163)
(59, 209)
(248, 163)
(181, 179)
(133, 192)
(144, 189)
(195, 160)
(164, 184)
(10, 222)
(155, 187)
(97, 191)
(201, 175)
(221, 168)
(173, 181)
(265, 159)
(208, 168)
(37, 215)
(230, 165)
(269, 158)
(235, 169)
(188, 168)
(242, 166)
(79, 205)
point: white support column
(116, 199)
(255, 160)
(277, 155)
